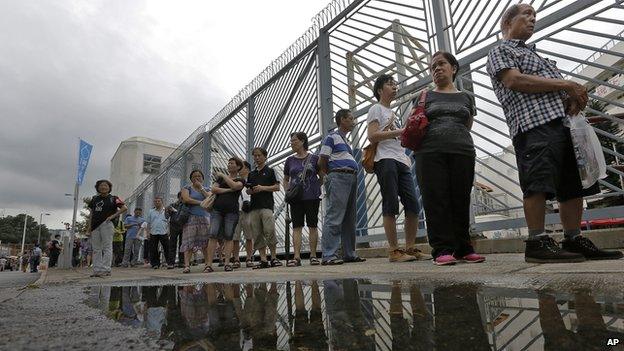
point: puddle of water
(352, 314)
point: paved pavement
(17, 279)
(59, 302)
(508, 270)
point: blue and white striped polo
(339, 152)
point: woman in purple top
(308, 207)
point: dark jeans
(154, 255)
(175, 240)
(34, 262)
(445, 182)
(54, 255)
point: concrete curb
(603, 238)
(42, 278)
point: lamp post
(23, 238)
(40, 223)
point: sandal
(228, 268)
(332, 262)
(208, 269)
(294, 262)
(276, 263)
(186, 270)
(249, 264)
(262, 265)
(355, 259)
(236, 264)
(314, 261)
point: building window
(151, 164)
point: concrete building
(135, 159)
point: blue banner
(84, 153)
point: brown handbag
(370, 150)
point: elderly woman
(445, 165)
(195, 233)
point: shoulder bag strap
(423, 98)
(305, 168)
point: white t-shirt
(389, 148)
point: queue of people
(237, 208)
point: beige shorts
(263, 228)
(243, 228)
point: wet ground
(504, 304)
(349, 314)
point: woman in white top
(393, 171)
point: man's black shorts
(546, 163)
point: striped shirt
(524, 111)
(338, 151)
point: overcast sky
(109, 70)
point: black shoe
(582, 245)
(545, 249)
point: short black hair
(179, 194)
(342, 113)
(450, 58)
(247, 165)
(379, 83)
(261, 149)
(238, 161)
(110, 185)
(303, 137)
(57, 236)
(196, 171)
(138, 209)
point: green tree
(12, 228)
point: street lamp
(40, 223)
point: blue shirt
(338, 151)
(132, 231)
(157, 222)
(196, 210)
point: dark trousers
(175, 240)
(445, 182)
(153, 246)
(34, 262)
(146, 250)
(54, 255)
(118, 251)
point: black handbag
(182, 216)
(295, 193)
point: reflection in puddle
(360, 315)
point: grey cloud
(67, 73)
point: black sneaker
(545, 249)
(582, 245)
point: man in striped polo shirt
(339, 169)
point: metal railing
(351, 42)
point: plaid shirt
(524, 111)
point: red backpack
(416, 125)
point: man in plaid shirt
(535, 99)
